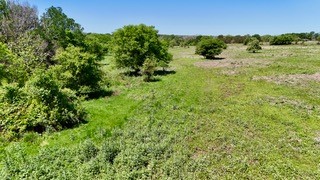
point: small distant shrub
(254, 45)
(210, 47)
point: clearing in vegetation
(204, 119)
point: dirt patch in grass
(294, 79)
(229, 63)
(299, 105)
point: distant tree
(239, 39)
(247, 40)
(134, 44)
(257, 36)
(318, 39)
(266, 38)
(97, 44)
(284, 39)
(209, 48)
(254, 45)
(59, 31)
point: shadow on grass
(132, 73)
(163, 73)
(153, 80)
(99, 94)
(216, 59)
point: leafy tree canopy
(210, 47)
(133, 44)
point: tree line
(185, 41)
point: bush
(77, 70)
(32, 51)
(149, 66)
(134, 44)
(282, 40)
(38, 106)
(12, 68)
(254, 45)
(210, 47)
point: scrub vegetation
(138, 105)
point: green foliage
(133, 44)
(77, 70)
(97, 44)
(3, 9)
(254, 45)
(257, 36)
(12, 67)
(38, 106)
(148, 68)
(31, 49)
(59, 30)
(179, 132)
(210, 47)
(284, 39)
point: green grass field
(244, 116)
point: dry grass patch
(293, 79)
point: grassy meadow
(241, 116)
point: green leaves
(60, 30)
(210, 47)
(77, 70)
(39, 106)
(284, 39)
(254, 45)
(133, 44)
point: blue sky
(192, 17)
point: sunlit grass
(201, 123)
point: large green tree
(59, 31)
(133, 44)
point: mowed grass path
(215, 119)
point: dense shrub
(97, 44)
(38, 106)
(282, 40)
(12, 67)
(133, 44)
(254, 45)
(77, 70)
(31, 49)
(210, 47)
